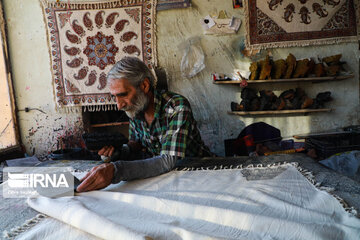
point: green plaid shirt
(173, 131)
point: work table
(14, 211)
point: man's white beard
(139, 104)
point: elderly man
(160, 122)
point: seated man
(160, 122)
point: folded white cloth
(257, 203)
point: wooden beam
(279, 112)
(109, 124)
(309, 79)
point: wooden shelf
(323, 134)
(109, 124)
(291, 80)
(279, 112)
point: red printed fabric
(284, 23)
(87, 39)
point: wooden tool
(285, 151)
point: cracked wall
(210, 103)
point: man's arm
(138, 169)
(104, 174)
(173, 146)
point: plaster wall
(41, 130)
(211, 102)
(7, 126)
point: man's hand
(98, 177)
(106, 151)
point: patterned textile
(173, 131)
(86, 39)
(170, 4)
(284, 23)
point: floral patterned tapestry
(284, 23)
(86, 39)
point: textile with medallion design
(87, 39)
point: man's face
(128, 98)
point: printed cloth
(284, 23)
(252, 203)
(86, 39)
(174, 130)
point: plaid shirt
(173, 130)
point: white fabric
(259, 203)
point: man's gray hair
(133, 69)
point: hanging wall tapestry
(284, 23)
(87, 39)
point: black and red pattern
(111, 19)
(264, 31)
(120, 25)
(134, 14)
(88, 39)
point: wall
(41, 130)
(211, 102)
(7, 126)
